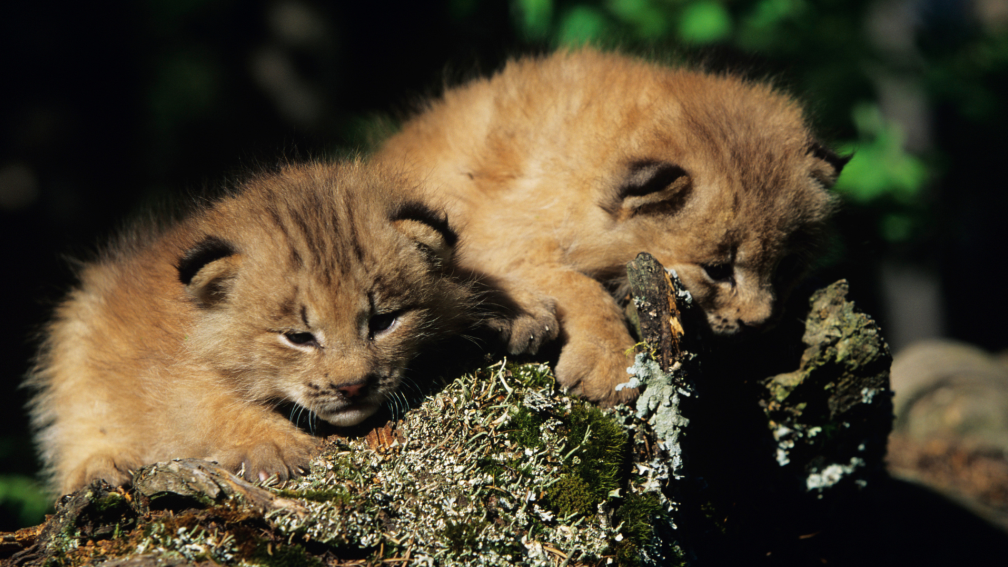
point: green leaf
(534, 16)
(769, 13)
(582, 24)
(705, 22)
(880, 166)
(647, 21)
(24, 497)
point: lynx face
(328, 309)
(740, 228)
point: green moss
(572, 495)
(525, 428)
(343, 468)
(110, 502)
(600, 456)
(491, 467)
(637, 515)
(463, 537)
(278, 555)
(627, 553)
(533, 375)
(334, 495)
(592, 467)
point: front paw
(593, 368)
(284, 457)
(532, 322)
(114, 468)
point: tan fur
(561, 169)
(315, 285)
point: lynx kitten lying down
(315, 285)
(559, 170)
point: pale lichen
(192, 544)
(843, 379)
(493, 470)
(658, 404)
(818, 480)
(500, 468)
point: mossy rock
(497, 467)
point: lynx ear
(828, 164)
(651, 184)
(208, 271)
(429, 229)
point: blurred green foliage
(705, 22)
(881, 169)
(880, 166)
(830, 52)
(23, 498)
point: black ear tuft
(647, 177)
(208, 250)
(650, 186)
(419, 212)
(836, 161)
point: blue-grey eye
(301, 338)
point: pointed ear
(208, 271)
(828, 164)
(429, 229)
(650, 185)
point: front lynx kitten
(315, 285)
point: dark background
(109, 107)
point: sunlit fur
(180, 342)
(561, 169)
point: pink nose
(351, 391)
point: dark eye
(301, 338)
(719, 272)
(383, 322)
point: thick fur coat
(314, 286)
(561, 169)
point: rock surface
(951, 429)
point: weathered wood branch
(654, 303)
(732, 450)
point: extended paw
(592, 370)
(115, 469)
(530, 324)
(282, 458)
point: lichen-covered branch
(499, 467)
(832, 416)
